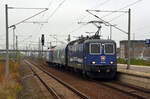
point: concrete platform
(139, 68)
(134, 77)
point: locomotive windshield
(95, 48)
(109, 48)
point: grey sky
(64, 21)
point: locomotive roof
(100, 40)
(94, 38)
(91, 40)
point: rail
(80, 94)
(132, 90)
(52, 92)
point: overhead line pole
(129, 42)
(7, 46)
(17, 54)
(14, 27)
(7, 35)
(39, 48)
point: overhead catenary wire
(117, 11)
(45, 9)
(30, 36)
(28, 18)
(40, 28)
(129, 5)
(98, 5)
(114, 18)
(50, 3)
(81, 26)
(103, 3)
(107, 23)
(26, 8)
(108, 11)
(42, 25)
(56, 9)
(1, 2)
(35, 15)
(114, 12)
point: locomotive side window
(109, 48)
(95, 48)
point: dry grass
(13, 69)
(11, 89)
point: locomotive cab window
(109, 48)
(95, 48)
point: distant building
(138, 49)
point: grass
(11, 89)
(11, 56)
(134, 62)
(2, 56)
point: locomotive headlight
(108, 70)
(111, 62)
(93, 62)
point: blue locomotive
(94, 57)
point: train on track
(92, 56)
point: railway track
(128, 89)
(137, 93)
(51, 90)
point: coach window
(109, 48)
(95, 48)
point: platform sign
(147, 41)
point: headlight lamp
(93, 62)
(111, 62)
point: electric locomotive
(95, 57)
(92, 56)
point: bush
(140, 62)
(122, 61)
(134, 62)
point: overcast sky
(63, 20)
